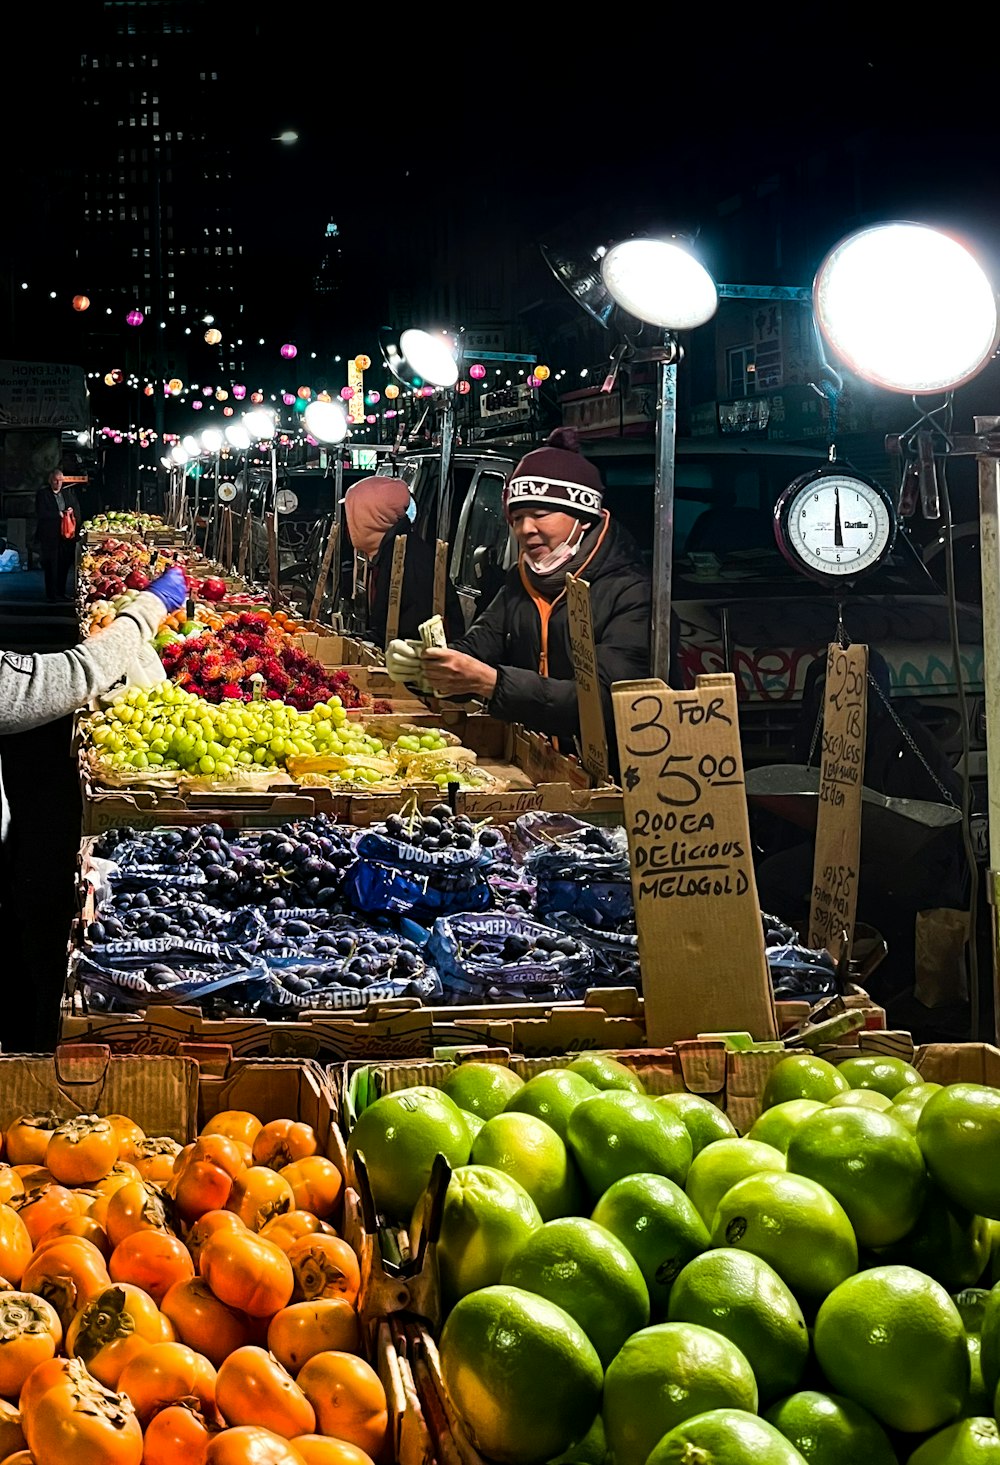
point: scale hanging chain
(910, 742)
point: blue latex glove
(171, 588)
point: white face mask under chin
(552, 559)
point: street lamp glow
(191, 445)
(178, 454)
(660, 281)
(907, 307)
(211, 440)
(259, 424)
(327, 421)
(237, 436)
(430, 357)
(287, 137)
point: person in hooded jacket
(376, 512)
(516, 656)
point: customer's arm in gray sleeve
(38, 689)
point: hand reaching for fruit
(171, 588)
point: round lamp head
(422, 358)
(237, 437)
(211, 439)
(178, 454)
(327, 421)
(907, 307)
(260, 425)
(660, 281)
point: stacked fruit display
(627, 1280)
(114, 566)
(249, 656)
(165, 1304)
(119, 521)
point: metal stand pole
(989, 542)
(663, 506)
(444, 493)
(338, 500)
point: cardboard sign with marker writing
(593, 735)
(272, 556)
(838, 819)
(333, 539)
(701, 940)
(440, 577)
(244, 543)
(395, 588)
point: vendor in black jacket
(516, 655)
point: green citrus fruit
(704, 1122)
(399, 1136)
(718, 1168)
(827, 1429)
(795, 1225)
(777, 1125)
(859, 1099)
(740, 1296)
(802, 1076)
(529, 1149)
(885, 1075)
(664, 1375)
(917, 1093)
(870, 1162)
(591, 1450)
(522, 1374)
(482, 1088)
(892, 1340)
(587, 1272)
(486, 1217)
(971, 1304)
(658, 1226)
(947, 1242)
(974, 1441)
(725, 1437)
(552, 1096)
(473, 1122)
(618, 1133)
(989, 1334)
(605, 1072)
(959, 1133)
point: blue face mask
(411, 509)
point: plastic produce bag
(498, 956)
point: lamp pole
(663, 504)
(447, 449)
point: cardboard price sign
(837, 857)
(395, 588)
(333, 540)
(593, 736)
(701, 941)
(440, 577)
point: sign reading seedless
(700, 936)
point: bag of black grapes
(616, 953)
(127, 989)
(497, 957)
(583, 872)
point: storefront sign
(701, 942)
(440, 576)
(593, 736)
(43, 394)
(838, 820)
(356, 404)
(395, 588)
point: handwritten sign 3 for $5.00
(701, 942)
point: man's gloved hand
(171, 588)
(402, 662)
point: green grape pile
(164, 728)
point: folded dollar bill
(432, 633)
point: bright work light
(661, 282)
(326, 421)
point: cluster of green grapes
(165, 727)
(427, 742)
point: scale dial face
(285, 501)
(834, 525)
(227, 492)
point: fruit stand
(385, 1164)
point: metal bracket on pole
(444, 488)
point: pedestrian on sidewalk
(58, 520)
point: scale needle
(838, 533)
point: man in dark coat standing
(516, 656)
(56, 550)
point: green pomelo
(664, 1375)
(802, 1076)
(740, 1296)
(586, 1271)
(828, 1429)
(947, 1242)
(399, 1137)
(618, 1133)
(531, 1151)
(487, 1215)
(720, 1166)
(605, 1072)
(704, 1122)
(859, 1099)
(552, 1096)
(974, 1441)
(725, 1437)
(522, 1374)
(658, 1226)
(776, 1125)
(482, 1088)
(892, 1340)
(959, 1133)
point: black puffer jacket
(527, 639)
(417, 598)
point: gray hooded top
(38, 689)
